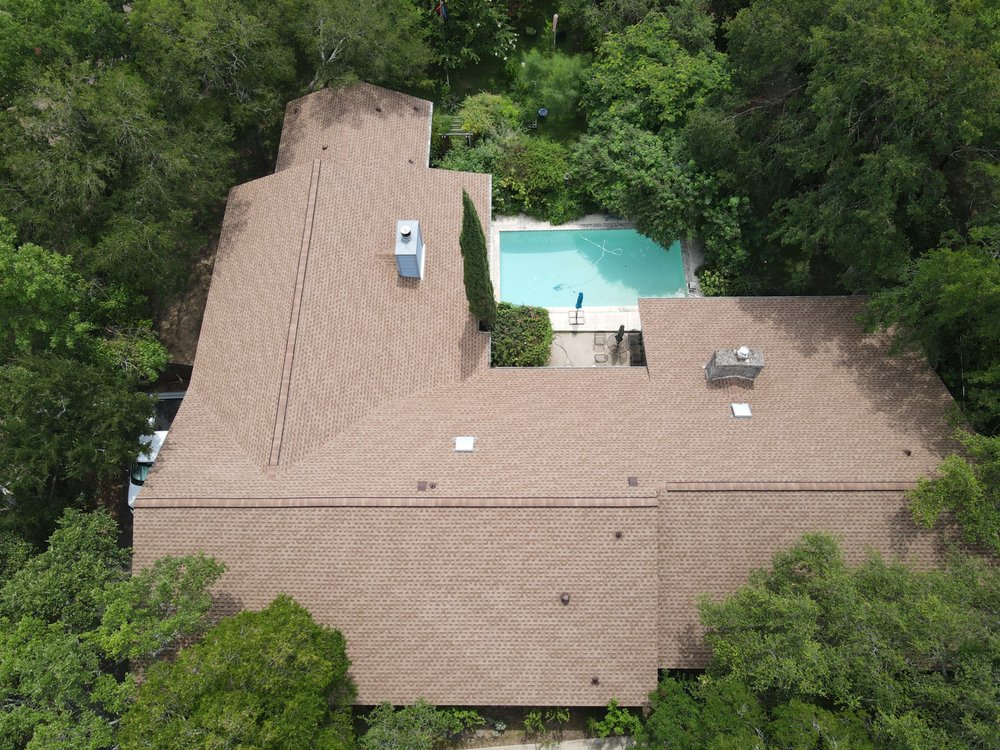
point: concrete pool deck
(593, 319)
(584, 349)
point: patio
(595, 349)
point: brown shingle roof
(457, 605)
(326, 387)
(831, 406)
(360, 125)
(710, 541)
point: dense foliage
(554, 81)
(813, 653)
(71, 616)
(649, 83)
(466, 32)
(968, 489)
(522, 336)
(123, 126)
(529, 174)
(949, 309)
(268, 679)
(417, 727)
(487, 114)
(810, 146)
(476, 264)
(531, 165)
(72, 354)
(868, 129)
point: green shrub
(532, 178)
(529, 175)
(522, 336)
(557, 715)
(617, 722)
(533, 723)
(417, 727)
(489, 114)
(713, 283)
(555, 81)
(482, 157)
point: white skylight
(741, 411)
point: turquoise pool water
(612, 267)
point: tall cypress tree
(478, 287)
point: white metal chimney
(409, 249)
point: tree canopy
(814, 653)
(968, 489)
(268, 679)
(71, 357)
(861, 133)
(949, 310)
(124, 125)
(69, 618)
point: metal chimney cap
(743, 352)
(405, 231)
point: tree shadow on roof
(902, 387)
(324, 118)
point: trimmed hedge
(522, 336)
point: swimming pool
(612, 267)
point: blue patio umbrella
(579, 300)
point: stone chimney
(743, 362)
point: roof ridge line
(285, 384)
(263, 503)
(791, 486)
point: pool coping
(594, 318)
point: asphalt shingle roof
(326, 388)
